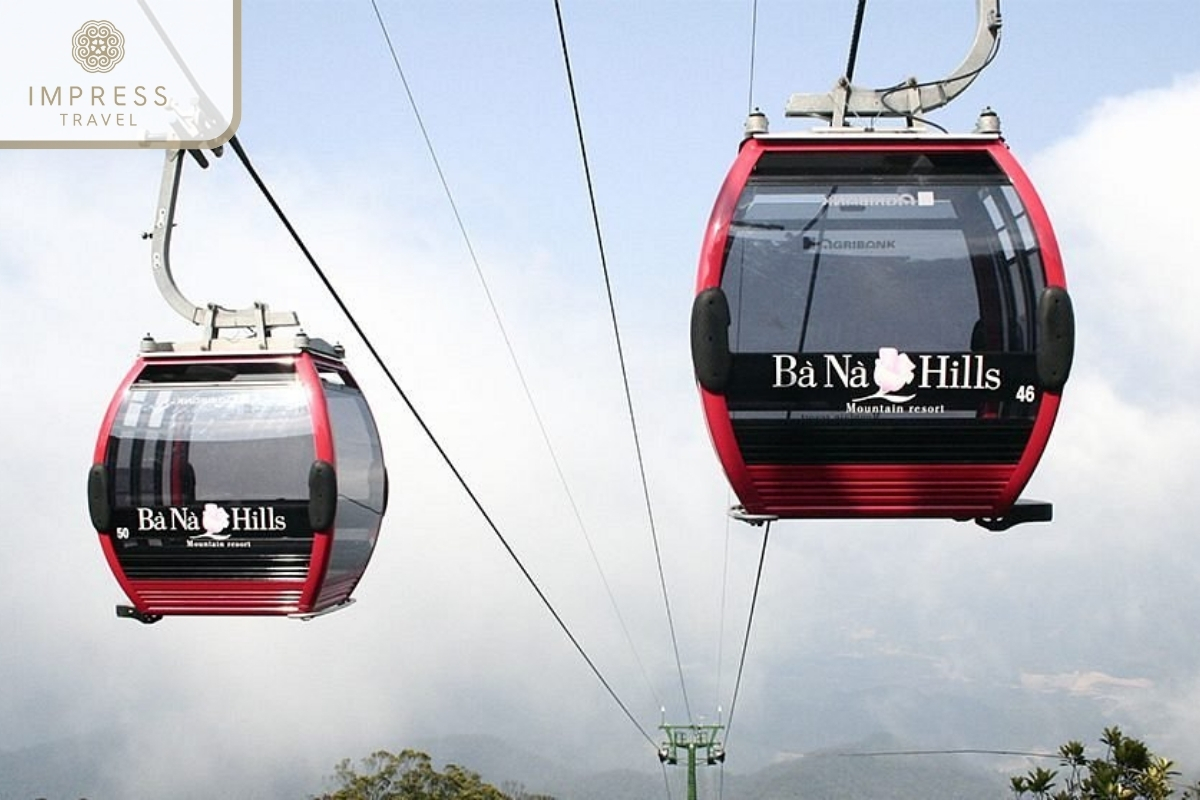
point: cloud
(1122, 193)
(1091, 684)
(447, 636)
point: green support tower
(691, 739)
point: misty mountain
(837, 773)
(80, 768)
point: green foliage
(410, 775)
(516, 791)
(1126, 771)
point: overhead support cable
(953, 752)
(429, 434)
(737, 685)
(721, 615)
(854, 37)
(620, 352)
(753, 45)
(512, 354)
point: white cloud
(1092, 684)
(447, 636)
(1123, 193)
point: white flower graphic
(215, 519)
(893, 371)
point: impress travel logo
(98, 46)
(120, 73)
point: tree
(1127, 771)
(409, 775)
(516, 791)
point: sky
(937, 632)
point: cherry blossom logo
(215, 520)
(98, 46)
(893, 371)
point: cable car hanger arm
(910, 98)
(213, 317)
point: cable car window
(210, 444)
(844, 267)
(218, 372)
(360, 480)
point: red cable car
(231, 482)
(235, 475)
(881, 328)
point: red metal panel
(220, 597)
(880, 490)
(99, 456)
(323, 442)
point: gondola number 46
(1026, 393)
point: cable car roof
(876, 135)
(235, 348)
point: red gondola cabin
(249, 482)
(881, 327)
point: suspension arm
(213, 317)
(910, 98)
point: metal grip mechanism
(212, 317)
(909, 98)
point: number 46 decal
(1026, 393)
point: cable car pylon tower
(693, 740)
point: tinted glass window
(820, 263)
(177, 444)
(360, 474)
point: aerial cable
(462, 228)
(620, 353)
(753, 43)
(724, 592)
(955, 752)
(887, 92)
(852, 58)
(968, 76)
(854, 37)
(721, 633)
(462, 481)
(737, 685)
